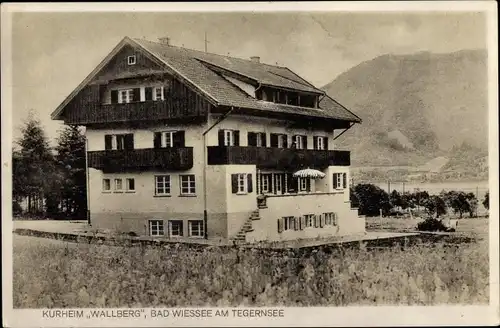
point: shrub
(431, 224)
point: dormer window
(131, 60)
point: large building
(189, 144)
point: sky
(53, 52)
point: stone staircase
(246, 227)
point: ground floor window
(156, 228)
(309, 218)
(196, 228)
(176, 228)
(330, 219)
(288, 223)
(106, 184)
(130, 184)
(188, 185)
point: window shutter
(264, 137)
(236, 135)
(316, 221)
(335, 186)
(321, 220)
(296, 223)
(107, 142)
(182, 228)
(234, 183)
(280, 225)
(308, 185)
(304, 140)
(315, 142)
(157, 140)
(179, 139)
(325, 142)
(129, 141)
(136, 94)
(249, 183)
(274, 140)
(221, 137)
(114, 96)
(285, 141)
(252, 139)
(344, 180)
(148, 93)
(302, 222)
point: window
(162, 185)
(118, 185)
(131, 60)
(125, 96)
(188, 185)
(300, 142)
(169, 139)
(320, 143)
(176, 228)
(264, 183)
(229, 138)
(156, 228)
(339, 180)
(278, 184)
(130, 184)
(303, 184)
(330, 219)
(288, 223)
(282, 139)
(106, 185)
(241, 183)
(260, 139)
(119, 141)
(196, 228)
(309, 220)
(158, 93)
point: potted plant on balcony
(261, 201)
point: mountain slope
(414, 107)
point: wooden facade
(277, 158)
(113, 161)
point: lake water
(481, 187)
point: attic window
(131, 60)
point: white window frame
(303, 184)
(200, 231)
(242, 183)
(308, 218)
(288, 223)
(281, 139)
(228, 138)
(265, 182)
(125, 96)
(167, 139)
(320, 143)
(299, 141)
(116, 189)
(131, 60)
(330, 219)
(109, 185)
(340, 180)
(127, 180)
(156, 228)
(189, 184)
(259, 138)
(278, 183)
(162, 93)
(166, 180)
(171, 228)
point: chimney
(164, 40)
(255, 59)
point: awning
(309, 173)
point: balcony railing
(112, 161)
(277, 158)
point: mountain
(414, 107)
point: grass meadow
(55, 274)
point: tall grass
(56, 275)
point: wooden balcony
(113, 161)
(277, 158)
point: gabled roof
(191, 65)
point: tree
(33, 165)
(407, 201)
(372, 199)
(435, 205)
(419, 198)
(70, 159)
(486, 200)
(395, 199)
(472, 204)
(460, 202)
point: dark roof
(190, 64)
